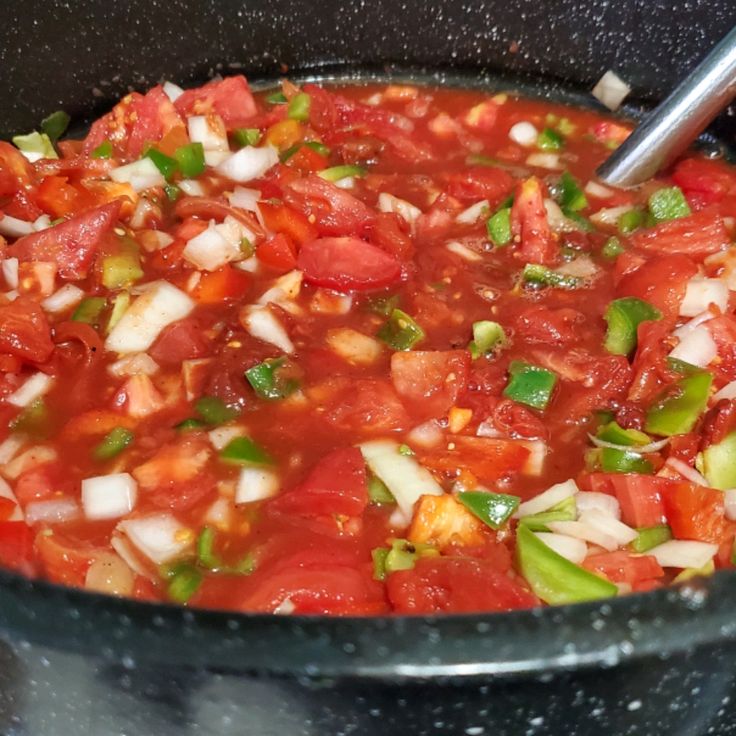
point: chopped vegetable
(214, 410)
(487, 336)
(246, 136)
(336, 173)
(165, 164)
(493, 509)
(190, 160)
(668, 204)
(499, 227)
(676, 412)
(624, 317)
(529, 384)
(539, 275)
(243, 451)
(650, 537)
(572, 197)
(550, 140)
(401, 332)
(268, 381)
(55, 125)
(113, 444)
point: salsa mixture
(361, 350)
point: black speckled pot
(79, 664)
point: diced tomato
(16, 546)
(23, 206)
(640, 497)
(369, 406)
(444, 522)
(515, 420)
(694, 512)
(40, 481)
(696, 235)
(333, 210)
(651, 371)
(286, 220)
(347, 264)
(230, 98)
(25, 331)
(703, 181)
(455, 585)
(480, 182)
(337, 485)
(622, 567)
(723, 331)
(718, 423)
(95, 422)
(529, 226)
(609, 132)
(182, 340)
(549, 326)
(62, 560)
(482, 117)
(57, 197)
(15, 170)
(72, 244)
(306, 160)
(277, 252)
(430, 381)
(661, 281)
(434, 224)
(388, 232)
(218, 286)
(7, 508)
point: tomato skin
(421, 379)
(548, 326)
(694, 512)
(455, 585)
(217, 286)
(230, 98)
(337, 485)
(56, 197)
(24, 331)
(480, 182)
(277, 252)
(72, 244)
(347, 264)
(529, 225)
(622, 567)
(182, 340)
(370, 406)
(291, 222)
(703, 182)
(16, 546)
(640, 497)
(696, 235)
(306, 160)
(16, 171)
(389, 234)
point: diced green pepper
(498, 227)
(624, 461)
(650, 537)
(299, 106)
(487, 335)
(668, 204)
(383, 305)
(400, 332)
(320, 148)
(553, 578)
(190, 424)
(120, 304)
(267, 380)
(493, 509)
(403, 555)
(379, 555)
(566, 510)
(243, 451)
(35, 142)
(378, 492)
(572, 197)
(335, 173)
(276, 98)
(612, 432)
(113, 444)
(612, 248)
(205, 546)
(246, 136)
(538, 275)
(550, 140)
(676, 413)
(696, 572)
(121, 270)
(480, 159)
(172, 192)
(215, 411)
(184, 581)
(165, 164)
(529, 384)
(89, 310)
(719, 463)
(104, 150)
(583, 223)
(55, 125)
(190, 159)
(630, 221)
(624, 317)
(405, 450)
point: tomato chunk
(622, 567)
(696, 235)
(16, 546)
(230, 98)
(529, 224)
(694, 512)
(640, 497)
(25, 331)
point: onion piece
(141, 174)
(696, 321)
(64, 298)
(463, 251)
(213, 248)
(556, 218)
(727, 392)
(523, 133)
(547, 499)
(643, 449)
(611, 90)
(701, 293)
(109, 496)
(263, 325)
(474, 213)
(210, 132)
(284, 290)
(249, 163)
(610, 525)
(220, 437)
(428, 434)
(10, 268)
(683, 553)
(594, 501)
(12, 227)
(597, 190)
(35, 387)
(406, 210)
(31, 457)
(609, 215)
(571, 548)
(550, 161)
(52, 511)
(256, 484)
(697, 347)
(686, 471)
(192, 187)
(245, 199)
(172, 91)
(586, 532)
(160, 537)
(534, 464)
(10, 447)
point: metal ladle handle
(668, 130)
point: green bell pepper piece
(493, 509)
(617, 435)
(55, 125)
(267, 381)
(35, 143)
(487, 335)
(498, 227)
(612, 248)
(550, 140)
(566, 510)
(214, 410)
(243, 451)
(624, 461)
(165, 164)
(630, 221)
(719, 463)
(529, 384)
(184, 581)
(401, 332)
(668, 204)
(624, 317)
(572, 197)
(677, 413)
(190, 159)
(104, 150)
(650, 537)
(113, 444)
(538, 275)
(205, 554)
(299, 106)
(246, 136)
(378, 492)
(89, 310)
(335, 173)
(121, 270)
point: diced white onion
(41, 223)
(256, 484)
(545, 161)
(696, 321)
(388, 203)
(571, 548)
(7, 492)
(12, 227)
(534, 464)
(463, 251)
(10, 447)
(729, 502)
(53, 511)
(701, 293)
(220, 437)
(683, 553)
(611, 90)
(686, 471)
(245, 199)
(597, 190)
(263, 325)
(547, 499)
(608, 524)
(347, 182)
(30, 458)
(250, 265)
(405, 477)
(211, 249)
(587, 532)
(524, 133)
(173, 91)
(215, 158)
(354, 347)
(651, 447)
(609, 215)
(581, 267)
(160, 537)
(141, 174)
(487, 429)
(35, 387)
(159, 306)
(219, 513)
(594, 501)
(285, 289)
(727, 392)
(697, 347)
(330, 302)
(249, 163)
(556, 218)
(10, 272)
(109, 496)
(64, 298)
(474, 213)
(428, 434)
(212, 137)
(132, 365)
(192, 187)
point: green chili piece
(529, 384)
(104, 150)
(113, 444)
(624, 461)
(404, 554)
(205, 545)
(624, 317)
(400, 332)
(493, 509)
(550, 140)
(172, 192)
(299, 106)
(35, 142)
(378, 492)
(243, 451)
(319, 147)
(538, 275)
(379, 555)
(267, 382)
(498, 227)
(612, 248)
(121, 270)
(190, 159)
(719, 463)
(55, 125)
(630, 221)
(668, 204)
(487, 336)
(276, 98)
(650, 537)
(246, 136)
(184, 581)
(89, 310)
(335, 173)
(214, 410)
(553, 578)
(572, 197)
(165, 164)
(612, 432)
(566, 510)
(676, 413)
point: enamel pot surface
(75, 663)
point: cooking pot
(83, 664)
